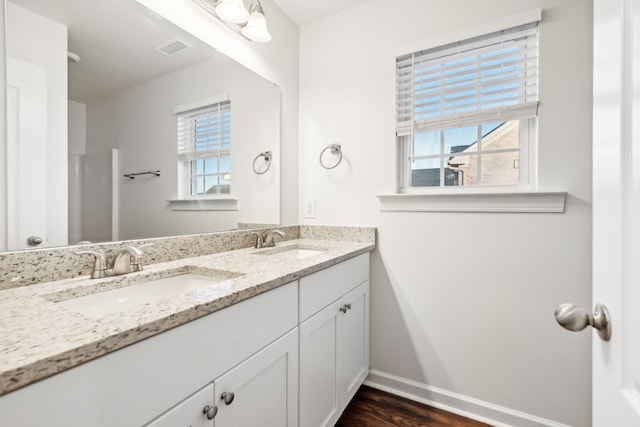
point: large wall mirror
(94, 92)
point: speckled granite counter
(40, 338)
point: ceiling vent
(172, 47)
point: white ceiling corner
(306, 11)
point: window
(204, 150)
(465, 112)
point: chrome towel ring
(335, 149)
(267, 158)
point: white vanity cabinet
(261, 391)
(292, 356)
(334, 340)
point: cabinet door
(263, 390)
(188, 413)
(319, 402)
(353, 360)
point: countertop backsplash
(21, 268)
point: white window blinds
(480, 80)
(204, 131)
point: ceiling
(115, 40)
(305, 11)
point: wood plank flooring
(375, 408)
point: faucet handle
(127, 259)
(259, 239)
(100, 269)
(136, 260)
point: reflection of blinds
(492, 78)
(204, 131)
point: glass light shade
(256, 28)
(232, 11)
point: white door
(26, 155)
(354, 342)
(616, 210)
(319, 353)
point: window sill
(518, 202)
(204, 204)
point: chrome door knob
(575, 318)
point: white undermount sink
(147, 290)
(292, 252)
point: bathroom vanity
(281, 338)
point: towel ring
(267, 158)
(335, 149)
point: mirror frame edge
(4, 206)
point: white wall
(77, 127)
(38, 40)
(277, 61)
(461, 302)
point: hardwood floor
(375, 408)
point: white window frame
(527, 163)
(528, 128)
(186, 200)
(478, 199)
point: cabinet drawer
(322, 288)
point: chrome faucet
(127, 260)
(269, 240)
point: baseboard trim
(495, 415)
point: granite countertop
(40, 338)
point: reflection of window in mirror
(204, 149)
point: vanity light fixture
(232, 11)
(250, 23)
(256, 28)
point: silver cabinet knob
(210, 411)
(345, 307)
(34, 240)
(227, 397)
(575, 318)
